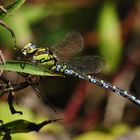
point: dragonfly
(58, 58)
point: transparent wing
(72, 43)
(44, 98)
(86, 64)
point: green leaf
(26, 67)
(24, 126)
(11, 8)
(110, 37)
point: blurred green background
(111, 29)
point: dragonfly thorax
(44, 57)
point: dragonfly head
(29, 49)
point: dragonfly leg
(33, 81)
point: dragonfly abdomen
(63, 69)
(114, 89)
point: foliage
(109, 35)
(26, 67)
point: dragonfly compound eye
(29, 49)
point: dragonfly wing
(44, 98)
(86, 64)
(72, 43)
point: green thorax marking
(44, 57)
